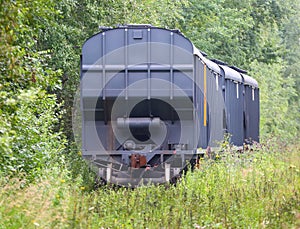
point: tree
(28, 108)
(261, 37)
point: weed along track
(262, 192)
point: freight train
(151, 104)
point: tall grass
(254, 189)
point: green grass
(257, 189)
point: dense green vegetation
(39, 74)
(29, 136)
(256, 189)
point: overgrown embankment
(255, 189)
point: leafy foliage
(278, 117)
(33, 144)
(28, 108)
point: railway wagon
(152, 103)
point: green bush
(29, 141)
(29, 135)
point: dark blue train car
(234, 103)
(152, 102)
(251, 109)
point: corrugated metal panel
(249, 81)
(197, 52)
(215, 111)
(251, 111)
(234, 105)
(203, 140)
(210, 64)
(213, 66)
(231, 74)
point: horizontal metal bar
(139, 67)
(135, 93)
(123, 152)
